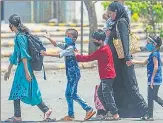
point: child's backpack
(97, 101)
(34, 47)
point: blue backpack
(34, 47)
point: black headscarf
(120, 10)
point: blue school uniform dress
(73, 76)
(27, 92)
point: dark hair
(16, 21)
(99, 35)
(157, 40)
(73, 32)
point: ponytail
(23, 28)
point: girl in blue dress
(25, 86)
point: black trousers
(17, 108)
(153, 96)
(106, 96)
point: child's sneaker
(89, 114)
(67, 118)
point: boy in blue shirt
(72, 73)
(154, 73)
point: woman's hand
(151, 85)
(129, 63)
(107, 33)
(28, 76)
(47, 35)
(7, 75)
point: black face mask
(10, 26)
(97, 44)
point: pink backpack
(97, 101)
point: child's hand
(107, 33)
(151, 85)
(43, 53)
(76, 53)
(47, 35)
(133, 61)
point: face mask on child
(97, 44)
(150, 47)
(68, 40)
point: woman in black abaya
(126, 91)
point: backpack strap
(44, 71)
(19, 59)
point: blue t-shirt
(150, 68)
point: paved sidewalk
(53, 93)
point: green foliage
(161, 33)
(142, 9)
(135, 17)
(105, 4)
(158, 12)
(150, 12)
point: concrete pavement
(53, 90)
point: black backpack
(34, 47)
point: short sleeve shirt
(150, 68)
(66, 51)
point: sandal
(49, 120)
(67, 118)
(146, 118)
(47, 115)
(109, 117)
(89, 114)
(13, 120)
(150, 119)
(99, 117)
